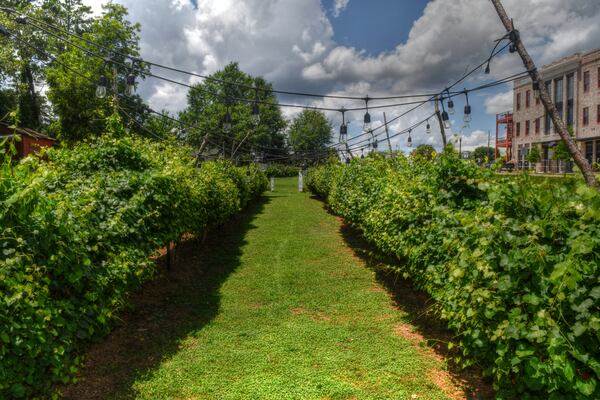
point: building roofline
(24, 131)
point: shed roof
(8, 130)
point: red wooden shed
(31, 141)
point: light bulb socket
(21, 20)
(4, 31)
(451, 106)
(367, 118)
(445, 116)
(343, 129)
(467, 110)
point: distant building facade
(574, 85)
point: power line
(210, 78)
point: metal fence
(547, 166)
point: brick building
(574, 85)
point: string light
(445, 117)
(467, 117)
(343, 127)
(428, 128)
(409, 140)
(367, 118)
(227, 121)
(101, 88)
(130, 85)
(536, 89)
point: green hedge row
(282, 170)
(77, 231)
(512, 265)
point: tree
(426, 151)
(23, 62)
(310, 133)
(80, 113)
(232, 91)
(483, 154)
(534, 156)
(560, 126)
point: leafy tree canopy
(310, 132)
(210, 100)
(424, 150)
(483, 153)
(80, 113)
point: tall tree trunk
(559, 124)
(29, 107)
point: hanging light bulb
(362, 153)
(101, 88)
(467, 117)
(536, 89)
(130, 85)
(255, 114)
(428, 129)
(375, 144)
(227, 122)
(343, 127)
(445, 117)
(367, 119)
(451, 107)
(446, 120)
(347, 160)
(409, 140)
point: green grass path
(299, 317)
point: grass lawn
(277, 307)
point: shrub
(77, 233)
(513, 265)
(282, 170)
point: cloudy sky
(359, 47)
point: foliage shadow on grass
(166, 310)
(419, 311)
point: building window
(558, 96)
(537, 125)
(586, 81)
(570, 99)
(548, 119)
(528, 98)
(589, 151)
(518, 129)
(586, 116)
(518, 101)
(527, 124)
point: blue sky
(376, 25)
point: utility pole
(439, 118)
(387, 133)
(549, 106)
(487, 151)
